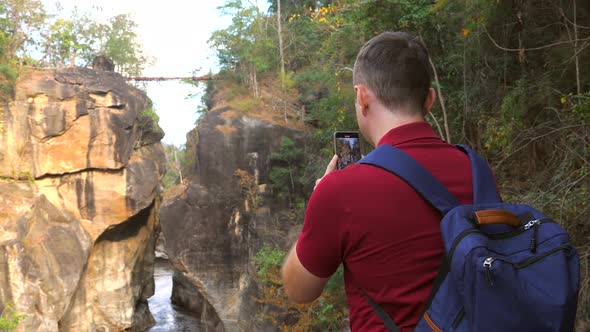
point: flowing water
(169, 318)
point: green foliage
(206, 104)
(325, 314)
(121, 45)
(149, 117)
(19, 21)
(69, 41)
(501, 129)
(28, 36)
(268, 258)
(515, 85)
(10, 318)
(286, 170)
(177, 164)
(247, 45)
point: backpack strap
(399, 163)
(424, 183)
(484, 184)
(387, 321)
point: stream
(169, 318)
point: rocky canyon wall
(216, 224)
(80, 167)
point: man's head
(394, 65)
(393, 69)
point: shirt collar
(408, 132)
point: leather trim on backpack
(431, 323)
(486, 217)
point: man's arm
(300, 285)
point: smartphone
(347, 146)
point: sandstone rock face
(212, 232)
(79, 202)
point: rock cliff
(221, 217)
(80, 167)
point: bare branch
(441, 100)
(570, 21)
(539, 137)
(533, 48)
(440, 132)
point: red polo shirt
(387, 237)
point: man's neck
(386, 120)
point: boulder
(67, 121)
(42, 256)
(80, 179)
(215, 225)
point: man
(385, 234)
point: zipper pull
(535, 224)
(531, 224)
(487, 265)
(533, 245)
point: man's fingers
(316, 183)
(330, 168)
(332, 165)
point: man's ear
(362, 98)
(430, 99)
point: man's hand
(329, 169)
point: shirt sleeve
(319, 245)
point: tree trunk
(441, 100)
(577, 59)
(280, 32)
(176, 164)
(254, 81)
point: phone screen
(347, 146)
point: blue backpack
(506, 267)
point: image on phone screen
(347, 147)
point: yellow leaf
(465, 32)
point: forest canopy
(30, 36)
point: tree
(280, 36)
(68, 41)
(285, 174)
(19, 21)
(121, 45)
(176, 165)
(245, 47)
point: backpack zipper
(458, 319)
(487, 263)
(500, 236)
(533, 223)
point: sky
(175, 34)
